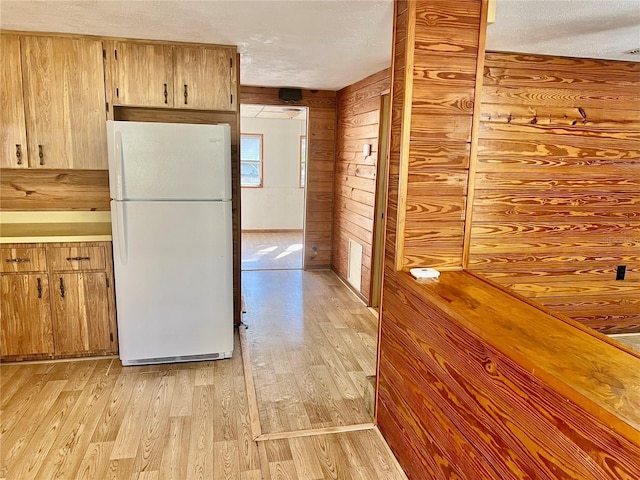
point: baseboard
(274, 230)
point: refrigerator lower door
(174, 282)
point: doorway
(273, 153)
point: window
(303, 160)
(251, 160)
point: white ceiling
(328, 44)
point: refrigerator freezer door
(173, 267)
(169, 161)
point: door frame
(379, 234)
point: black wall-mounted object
(290, 95)
(620, 272)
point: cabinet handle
(77, 259)
(39, 288)
(166, 94)
(61, 287)
(17, 260)
(185, 94)
(41, 154)
(19, 154)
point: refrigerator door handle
(121, 229)
(119, 164)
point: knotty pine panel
(358, 123)
(321, 147)
(557, 189)
(433, 154)
(37, 190)
(456, 400)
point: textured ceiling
(570, 28)
(328, 44)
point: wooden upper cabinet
(65, 102)
(13, 133)
(143, 74)
(204, 78)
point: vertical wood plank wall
(557, 192)
(432, 111)
(358, 123)
(320, 167)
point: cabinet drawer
(77, 258)
(23, 259)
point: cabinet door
(143, 75)
(26, 315)
(80, 313)
(203, 78)
(13, 133)
(65, 102)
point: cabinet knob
(166, 94)
(19, 154)
(61, 287)
(41, 154)
(185, 94)
(39, 288)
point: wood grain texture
(557, 189)
(142, 73)
(350, 456)
(26, 315)
(65, 102)
(13, 130)
(321, 148)
(95, 419)
(358, 121)
(469, 389)
(73, 289)
(54, 190)
(432, 106)
(312, 344)
(205, 74)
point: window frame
(303, 138)
(261, 136)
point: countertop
(46, 227)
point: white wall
(279, 204)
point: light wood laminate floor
(280, 250)
(97, 420)
(312, 344)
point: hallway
(312, 345)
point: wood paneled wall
(557, 193)
(438, 47)
(24, 190)
(358, 112)
(320, 167)
(472, 386)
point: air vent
(635, 51)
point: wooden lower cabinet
(80, 308)
(25, 326)
(66, 310)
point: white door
(174, 282)
(169, 161)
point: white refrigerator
(172, 240)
